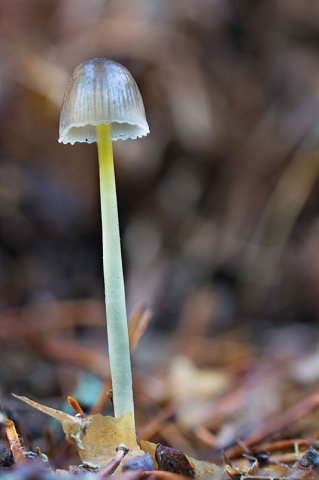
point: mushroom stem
(117, 330)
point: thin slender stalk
(118, 341)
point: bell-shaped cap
(101, 91)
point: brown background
(218, 205)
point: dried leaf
(277, 471)
(206, 384)
(204, 470)
(237, 472)
(98, 436)
(95, 436)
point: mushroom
(102, 103)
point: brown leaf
(278, 471)
(95, 436)
(204, 470)
(237, 472)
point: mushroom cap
(101, 91)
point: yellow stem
(118, 340)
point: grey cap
(101, 91)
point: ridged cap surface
(101, 91)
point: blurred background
(219, 205)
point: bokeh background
(218, 206)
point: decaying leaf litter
(226, 414)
